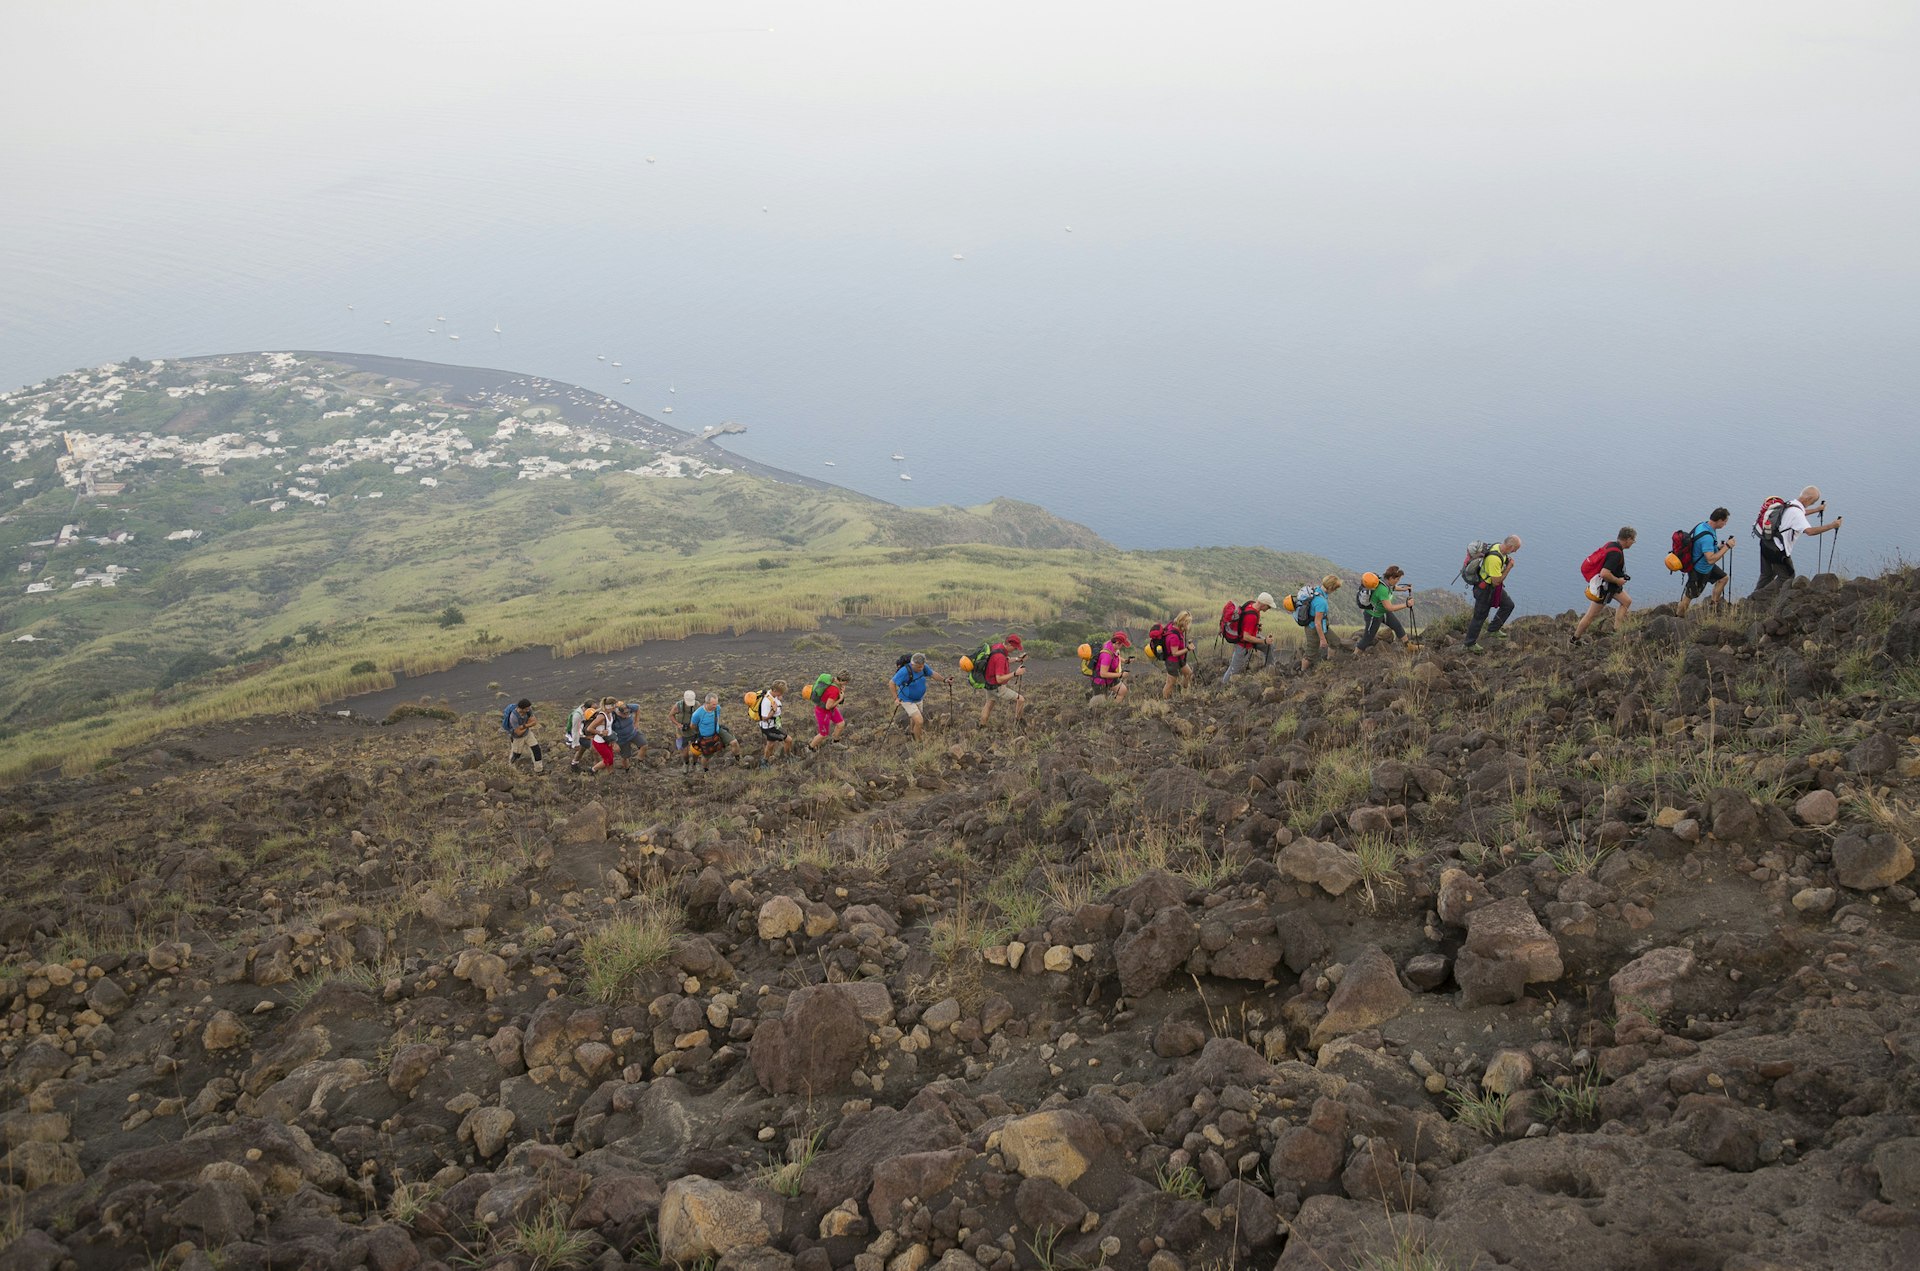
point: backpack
(976, 665)
(1233, 622)
(752, 701)
(1157, 641)
(1303, 604)
(1596, 559)
(1476, 562)
(1089, 658)
(506, 719)
(1766, 526)
(903, 661)
(1680, 559)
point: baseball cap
(1264, 598)
(1120, 637)
(1013, 641)
(691, 698)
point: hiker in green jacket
(1378, 592)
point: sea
(1365, 280)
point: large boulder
(1507, 931)
(1648, 980)
(1369, 993)
(700, 1219)
(1146, 957)
(1058, 1144)
(818, 1041)
(918, 1174)
(1330, 867)
(1866, 863)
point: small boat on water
(831, 464)
(600, 357)
(958, 256)
(666, 410)
(616, 364)
(627, 380)
(388, 321)
(453, 337)
(905, 477)
(441, 318)
(898, 458)
(349, 306)
(496, 328)
(433, 330)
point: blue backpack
(506, 720)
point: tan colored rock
(1058, 1144)
(224, 1032)
(701, 1219)
(1330, 867)
(485, 971)
(1647, 981)
(1459, 895)
(780, 917)
(1817, 807)
(1058, 958)
(1369, 993)
(588, 825)
(1507, 1072)
(487, 1129)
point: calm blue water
(1364, 280)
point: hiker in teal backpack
(1705, 552)
(518, 722)
(1311, 610)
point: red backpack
(1590, 567)
(1233, 622)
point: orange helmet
(1369, 580)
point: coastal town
(317, 435)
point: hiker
(577, 734)
(1490, 596)
(597, 726)
(1701, 560)
(771, 704)
(1110, 668)
(1377, 602)
(1175, 649)
(1606, 573)
(828, 722)
(627, 735)
(1240, 627)
(517, 720)
(682, 716)
(710, 738)
(1311, 610)
(1006, 663)
(910, 687)
(1779, 525)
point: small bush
(364, 666)
(451, 616)
(625, 947)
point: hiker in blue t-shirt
(1706, 568)
(910, 687)
(1319, 619)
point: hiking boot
(1475, 649)
(1500, 635)
(539, 768)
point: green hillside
(205, 539)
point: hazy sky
(1315, 247)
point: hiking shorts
(631, 744)
(772, 733)
(1603, 593)
(605, 750)
(912, 709)
(1697, 582)
(1175, 664)
(826, 721)
(1003, 693)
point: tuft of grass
(1578, 857)
(620, 950)
(1184, 1182)
(1482, 1113)
(788, 1178)
(547, 1244)
(1409, 1251)
(409, 1201)
(1577, 1102)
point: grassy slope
(289, 603)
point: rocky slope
(1544, 959)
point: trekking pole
(1819, 560)
(1833, 561)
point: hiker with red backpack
(1605, 571)
(1697, 553)
(1171, 644)
(1779, 524)
(1486, 569)
(1240, 627)
(1005, 664)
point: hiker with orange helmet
(1110, 668)
(1377, 602)
(1240, 627)
(1700, 556)
(1004, 667)
(828, 722)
